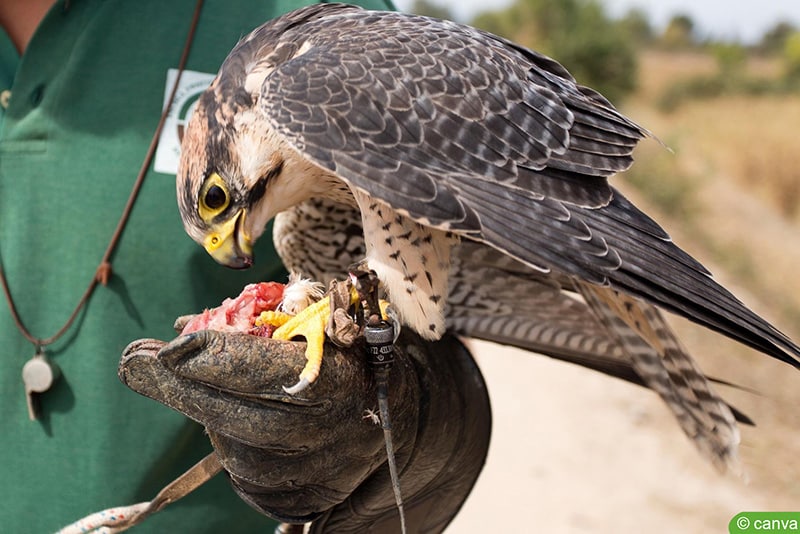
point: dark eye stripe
(260, 188)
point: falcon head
(227, 167)
(236, 172)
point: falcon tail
(615, 334)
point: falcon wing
(466, 132)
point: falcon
(448, 147)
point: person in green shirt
(82, 86)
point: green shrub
(791, 57)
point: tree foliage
(598, 51)
(429, 8)
(774, 40)
(679, 33)
(636, 25)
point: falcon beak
(228, 243)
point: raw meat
(239, 314)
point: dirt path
(575, 451)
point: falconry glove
(320, 456)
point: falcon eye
(215, 197)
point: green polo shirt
(84, 101)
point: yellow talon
(310, 324)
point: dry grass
(753, 141)
(658, 70)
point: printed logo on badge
(190, 88)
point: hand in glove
(319, 456)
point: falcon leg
(365, 282)
(389, 314)
(311, 324)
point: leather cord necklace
(39, 373)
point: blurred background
(718, 82)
